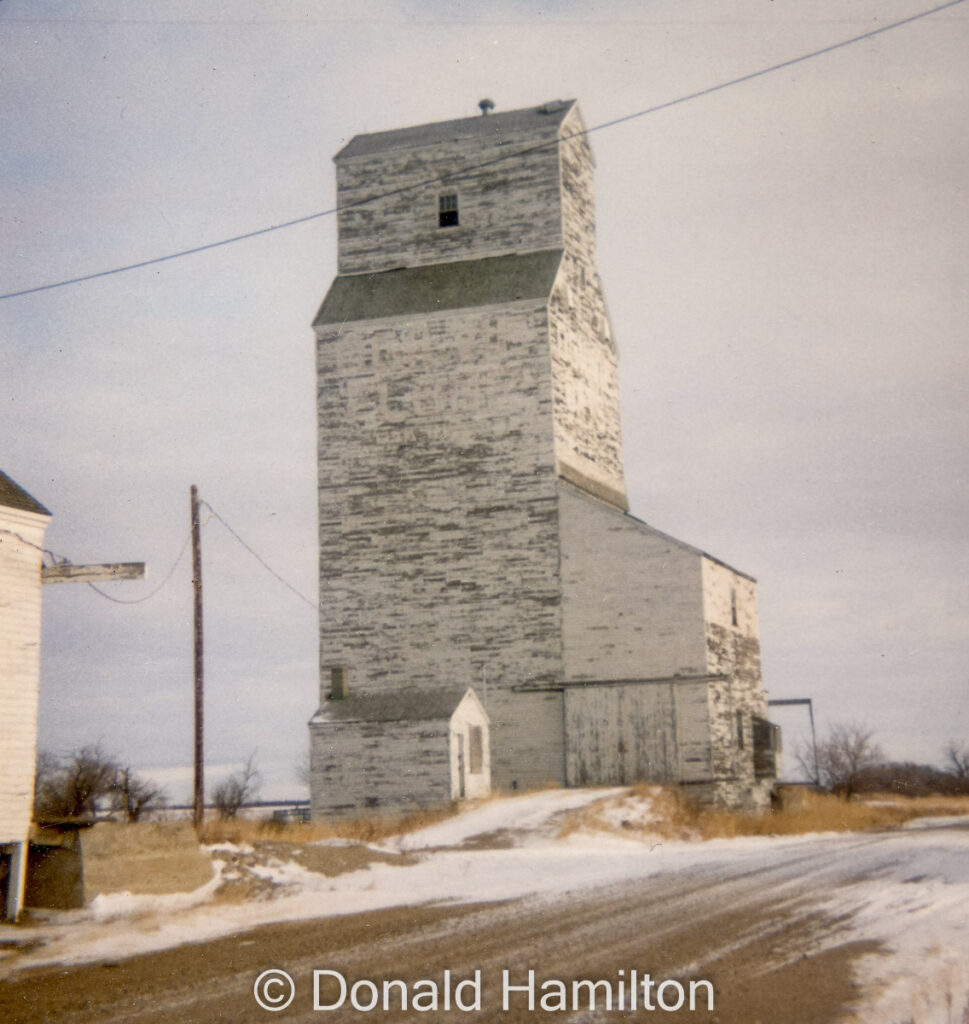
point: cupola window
(447, 211)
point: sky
(783, 260)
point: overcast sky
(784, 262)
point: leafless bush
(846, 752)
(89, 781)
(238, 790)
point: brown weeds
(676, 816)
(364, 829)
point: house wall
(20, 606)
(632, 601)
(378, 767)
(438, 515)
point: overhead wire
(258, 557)
(475, 168)
(147, 597)
(57, 559)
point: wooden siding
(626, 732)
(585, 373)
(469, 715)
(514, 207)
(380, 767)
(632, 603)
(733, 652)
(20, 607)
(438, 513)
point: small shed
(23, 521)
(398, 751)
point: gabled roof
(12, 495)
(440, 286)
(530, 120)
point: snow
(531, 812)
(908, 889)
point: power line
(54, 557)
(467, 172)
(57, 559)
(147, 597)
(259, 559)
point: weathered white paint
(359, 764)
(21, 538)
(651, 729)
(471, 488)
(632, 603)
(639, 605)
(469, 780)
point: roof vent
(486, 106)
(553, 106)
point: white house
(22, 524)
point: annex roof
(530, 120)
(643, 525)
(440, 286)
(407, 705)
(12, 495)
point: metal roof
(530, 120)
(406, 705)
(440, 286)
(12, 495)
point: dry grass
(365, 829)
(675, 816)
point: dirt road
(753, 929)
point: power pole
(199, 804)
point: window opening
(447, 211)
(476, 750)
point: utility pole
(199, 804)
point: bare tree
(846, 752)
(133, 796)
(238, 789)
(957, 760)
(73, 786)
(87, 781)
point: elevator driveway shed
(409, 748)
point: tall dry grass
(675, 816)
(371, 829)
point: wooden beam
(92, 573)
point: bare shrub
(87, 782)
(846, 752)
(237, 790)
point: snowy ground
(907, 889)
